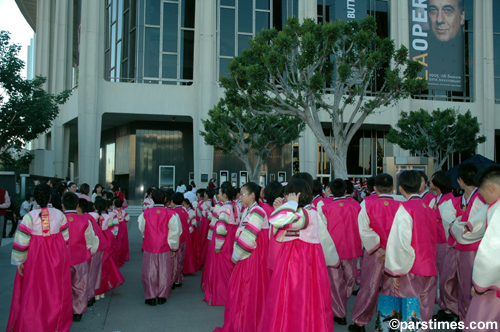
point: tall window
(496, 43)
(238, 21)
(121, 24)
(166, 41)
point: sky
(13, 21)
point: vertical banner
(437, 41)
(351, 9)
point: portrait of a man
(447, 19)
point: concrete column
(89, 119)
(308, 155)
(63, 28)
(308, 9)
(65, 151)
(485, 85)
(206, 77)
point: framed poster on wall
(167, 177)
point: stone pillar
(89, 118)
(484, 87)
(206, 76)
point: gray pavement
(123, 309)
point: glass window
(151, 51)
(262, 4)
(245, 16)
(187, 54)
(227, 2)
(223, 66)
(227, 32)
(187, 15)
(261, 21)
(169, 66)
(243, 42)
(170, 27)
(153, 10)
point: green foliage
(233, 130)
(437, 134)
(18, 161)
(289, 73)
(27, 110)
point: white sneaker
(102, 296)
(97, 297)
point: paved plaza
(123, 309)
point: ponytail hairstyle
(90, 207)
(117, 202)
(210, 193)
(100, 205)
(42, 195)
(188, 202)
(253, 187)
(227, 189)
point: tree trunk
(340, 161)
(253, 173)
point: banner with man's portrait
(437, 41)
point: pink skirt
(190, 259)
(248, 288)
(221, 267)
(111, 276)
(122, 247)
(274, 249)
(41, 300)
(299, 297)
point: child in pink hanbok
(250, 279)
(299, 296)
(41, 299)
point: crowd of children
(66, 260)
(285, 257)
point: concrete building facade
(145, 72)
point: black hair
(200, 192)
(177, 198)
(210, 193)
(90, 207)
(70, 201)
(300, 186)
(410, 181)
(42, 194)
(370, 183)
(168, 196)
(188, 202)
(150, 190)
(253, 187)
(349, 187)
(384, 183)
(227, 189)
(71, 183)
(306, 177)
(83, 204)
(489, 174)
(180, 183)
(158, 196)
(109, 195)
(97, 186)
(317, 188)
(100, 205)
(109, 203)
(193, 184)
(117, 201)
(426, 178)
(116, 185)
(467, 172)
(189, 187)
(338, 187)
(443, 181)
(273, 190)
(53, 182)
(84, 189)
(60, 188)
(28, 196)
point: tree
(438, 134)
(27, 110)
(289, 73)
(249, 137)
